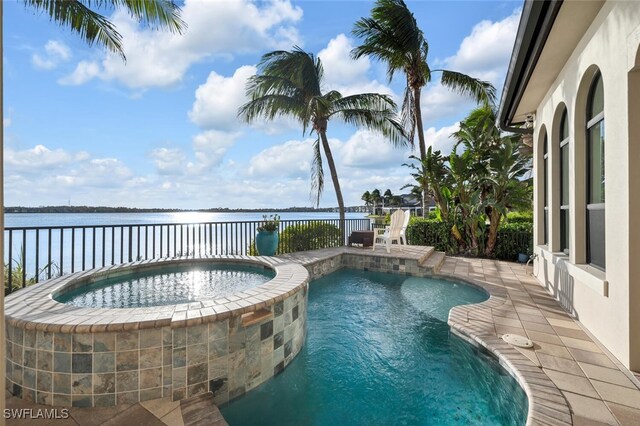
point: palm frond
(261, 85)
(271, 107)
(478, 90)
(407, 115)
(89, 25)
(390, 35)
(93, 27)
(372, 111)
(157, 14)
(317, 174)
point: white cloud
(219, 28)
(440, 139)
(83, 72)
(54, 53)
(364, 161)
(277, 176)
(6, 122)
(346, 75)
(102, 172)
(366, 148)
(169, 161)
(218, 99)
(40, 175)
(486, 51)
(291, 159)
(40, 158)
(339, 68)
(209, 150)
(438, 102)
(211, 146)
(483, 54)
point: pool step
(200, 410)
(434, 261)
(426, 255)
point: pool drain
(517, 340)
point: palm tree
(506, 189)
(392, 35)
(289, 84)
(366, 197)
(376, 197)
(496, 165)
(387, 195)
(93, 27)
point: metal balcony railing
(36, 253)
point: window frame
(565, 233)
(545, 167)
(600, 206)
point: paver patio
(597, 388)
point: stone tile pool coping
(34, 308)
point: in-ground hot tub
(190, 331)
(168, 285)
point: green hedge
(519, 217)
(305, 236)
(429, 232)
(513, 238)
(309, 236)
(510, 243)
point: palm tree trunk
(494, 223)
(336, 183)
(421, 142)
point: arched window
(595, 174)
(545, 167)
(564, 182)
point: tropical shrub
(19, 278)
(17, 281)
(269, 223)
(519, 217)
(309, 236)
(478, 184)
(305, 236)
(429, 232)
(512, 238)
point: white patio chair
(395, 231)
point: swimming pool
(379, 351)
(167, 285)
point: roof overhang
(548, 34)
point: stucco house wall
(606, 302)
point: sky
(161, 130)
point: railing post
(130, 243)
(10, 271)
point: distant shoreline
(102, 209)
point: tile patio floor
(597, 388)
(195, 411)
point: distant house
(574, 82)
(410, 202)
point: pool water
(379, 352)
(168, 286)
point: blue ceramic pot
(523, 258)
(267, 243)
